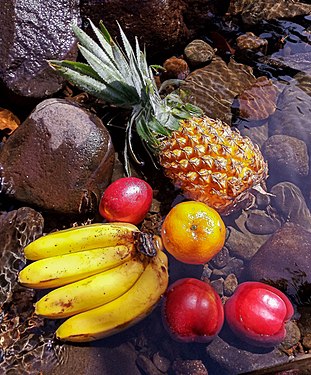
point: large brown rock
(159, 24)
(60, 159)
(32, 32)
(285, 261)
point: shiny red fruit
(127, 200)
(192, 311)
(257, 313)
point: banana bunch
(107, 278)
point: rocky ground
(245, 62)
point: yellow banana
(64, 269)
(80, 238)
(122, 312)
(91, 292)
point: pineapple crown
(121, 76)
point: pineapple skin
(212, 163)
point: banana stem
(147, 244)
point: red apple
(257, 313)
(192, 311)
(127, 200)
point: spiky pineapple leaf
(78, 67)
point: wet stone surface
(285, 261)
(63, 161)
(30, 34)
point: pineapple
(208, 160)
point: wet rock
(252, 42)
(304, 324)
(60, 159)
(285, 261)
(160, 25)
(258, 134)
(289, 201)
(32, 33)
(293, 335)
(162, 363)
(218, 286)
(175, 68)
(199, 53)
(221, 259)
(244, 245)
(189, 367)
(253, 12)
(287, 158)
(294, 107)
(146, 364)
(233, 358)
(258, 101)
(214, 87)
(230, 284)
(259, 222)
(235, 266)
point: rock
(230, 284)
(189, 367)
(285, 261)
(161, 25)
(252, 12)
(294, 107)
(234, 358)
(235, 266)
(32, 33)
(258, 134)
(175, 68)
(251, 42)
(218, 286)
(162, 363)
(199, 53)
(259, 222)
(221, 259)
(293, 335)
(60, 159)
(304, 324)
(258, 101)
(287, 158)
(244, 245)
(287, 198)
(214, 87)
(146, 364)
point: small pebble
(189, 367)
(259, 222)
(293, 335)
(230, 284)
(218, 285)
(306, 341)
(221, 259)
(235, 266)
(162, 363)
(146, 364)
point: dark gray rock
(31, 33)
(162, 363)
(218, 286)
(221, 259)
(60, 159)
(244, 245)
(290, 203)
(234, 358)
(293, 115)
(285, 261)
(287, 158)
(146, 364)
(259, 222)
(234, 265)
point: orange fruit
(193, 232)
